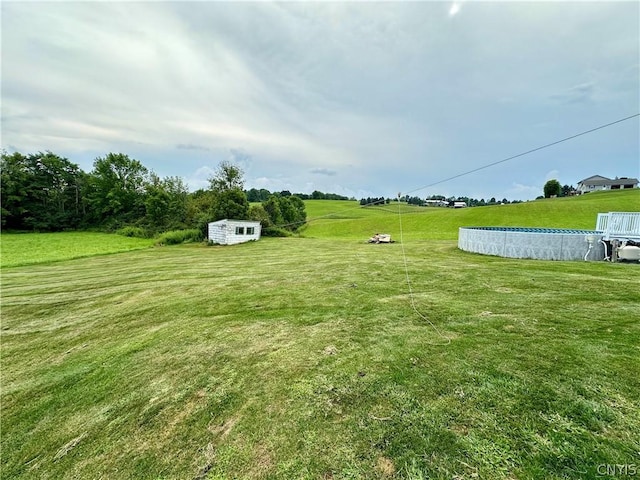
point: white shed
(230, 232)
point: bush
(276, 232)
(176, 237)
(130, 231)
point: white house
(230, 232)
(598, 182)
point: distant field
(309, 358)
(335, 219)
(30, 248)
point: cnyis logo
(618, 470)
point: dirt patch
(461, 430)
(262, 462)
(209, 457)
(503, 290)
(223, 430)
(385, 466)
(330, 350)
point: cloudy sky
(355, 98)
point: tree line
(413, 200)
(46, 192)
(365, 202)
(260, 195)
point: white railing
(602, 222)
(619, 225)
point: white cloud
(271, 184)
(583, 92)
(323, 171)
(200, 178)
(552, 175)
(519, 191)
(388, 96)
(190, 146)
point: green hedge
(175, 237)
(135, 232)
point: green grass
(349, 220)
(303, 358)
(29, 248)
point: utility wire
(404, 255)
(410, 288)
(468, 172)
(523, 153)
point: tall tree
(227, 185)
(14, 185)
(231, 204)
(227, 177)
(117, 189)
(200, 209)
(41, 191)
(298, 212)
(552, 188)
(258, 213)
(272, 207)
(165, 203)
(285, 212)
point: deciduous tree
(552, 188)
(165, 203)
(227, 185)
(117, 189)
(41, 191)
(227, 177)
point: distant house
(230, 232)
(598, 182)
(436, 203)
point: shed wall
(224, 232)
(218, 233)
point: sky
(354, 98)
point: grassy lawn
(28, 248)
(303, 358)
(349, 220)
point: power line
(410, 288)
(523, 153)
(468, 172)
(404, 255)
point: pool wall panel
(543, 244)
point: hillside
(328, 219)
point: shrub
(175, 237)
(276, 232)
(130, 231)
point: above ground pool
(538, 243)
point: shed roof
(225, 220)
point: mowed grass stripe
(302, 358)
